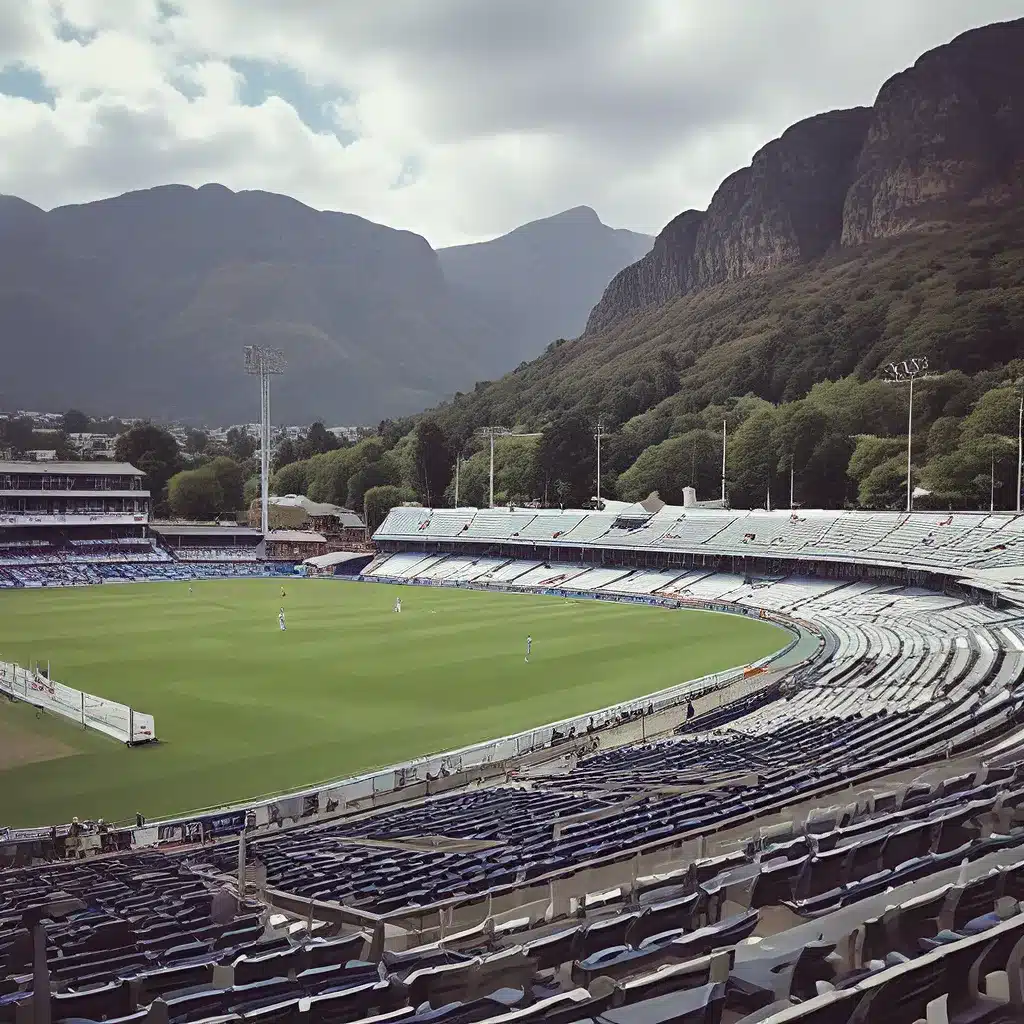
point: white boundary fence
(118, 721)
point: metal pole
(458, 462)
(910, 434)
(241, 865)
(599, 429)
(992, 485)
(723, 461)
(1020, 453)
(791, 483)
(265, 453)
(491, 505)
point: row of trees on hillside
(842, 445)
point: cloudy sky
(458, 119)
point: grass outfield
(243, 709)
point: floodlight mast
(264, 363)
(900, 373)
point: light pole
(599, 435)
(723, 462)
(264, 363)
(1020, 438)
(492, 433)
(898, 373)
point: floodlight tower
(264, 363)
(900, 373)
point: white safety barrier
(107, 716)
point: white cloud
(469, 117)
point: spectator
(74, 840)
(690, 711)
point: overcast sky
(459, 119)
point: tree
(752, 462)
(995, 413)
(75, 422)
(251, 492)
(195, 494)
(375, 474)
(241, 444)
(870, 452)
(16, 434)
(378, 501)
(823, 483)
(290, 479)
(473, 482)
(285, 453)
(231, 479)
(196, 442)
(566, 460)
(153, 450)
(885, 487)
(433, 460)
(317, 441)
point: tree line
(842, 445)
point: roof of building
(72, 468)
(317, 508)
(204, 530)
(296, 537)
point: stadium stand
(842, 841)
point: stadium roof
(199, 530)
(297, 537)
(71, 468)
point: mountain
(538, 282)
(858, 236)
(943, 138)
(143, 304)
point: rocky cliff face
(942, 136)
(786, 206)
(666, 271)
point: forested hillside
(857, 238)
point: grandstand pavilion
(835, 835)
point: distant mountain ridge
(944, 137)
(142, 304)
(562, 263)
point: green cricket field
(243, 709)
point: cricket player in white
(190, 588)
(529, 645)
(280, 619)
(398, 605)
